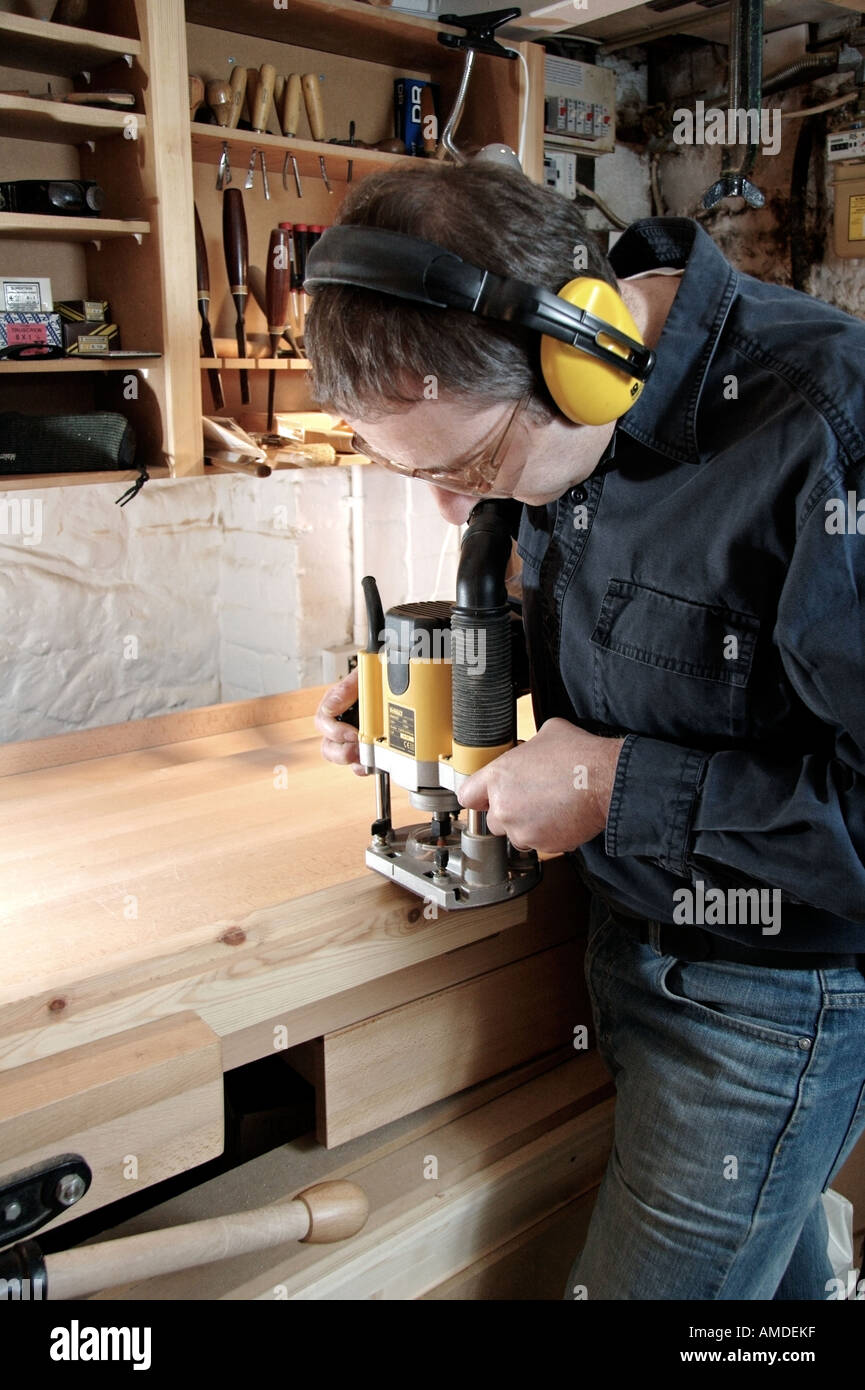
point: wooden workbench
(184, 894)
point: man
(692, 576)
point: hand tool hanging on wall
(289, 118)
(296, 283)
(223, 173)
(278, 293)
(258, 289)
(236, 246)
(315, 115)
(238, 94)
(746, 94)
(259, 112)
(203, 275)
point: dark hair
(371, 352)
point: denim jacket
(702, 595)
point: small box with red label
(18, 329)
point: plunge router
(436, 702)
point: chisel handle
(196, 95)
(238, 94)
(314, 111)
(219, 101)
(290, 114)
(263, 97)
(278, 281)
(235, 240)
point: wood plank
(447, 1231)
(28, 118)
(389, 1165)
(207, 143)
(546, 925)
(158, 731)
(49, 228)
(387, 1066)
(167, 182)
(533, 1266)
(37, 45)
(332, 26)
(141, 1106)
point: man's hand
(340, 741)
(551, 793)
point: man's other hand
(339, 743)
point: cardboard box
(89, 339)
(19, 328)
(83, 310)
(28, 294)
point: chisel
(203, 274)
(278, 292)
(236, 247)
(315, 114)
(258, 289)
(238, 94)
(259, 112)
(289, 118)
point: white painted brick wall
(198, 591)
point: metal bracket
(745, 94)
(733, 185)
(480, 30)
(33, 1196)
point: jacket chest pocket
(670, 668)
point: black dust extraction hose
(483, 692)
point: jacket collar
(664, 418)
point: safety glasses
(476, 473)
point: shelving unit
(132, 256)
(141, 256)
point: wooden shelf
(334, 26)
(29, 118)
(35, 481)
(78, 364)
(37, 45)
(33, 228)
(207, 142)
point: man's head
(443, 387)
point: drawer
(403, 1059)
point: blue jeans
(740, 1091)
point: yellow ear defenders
(593, 361)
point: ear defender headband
(593, 361)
